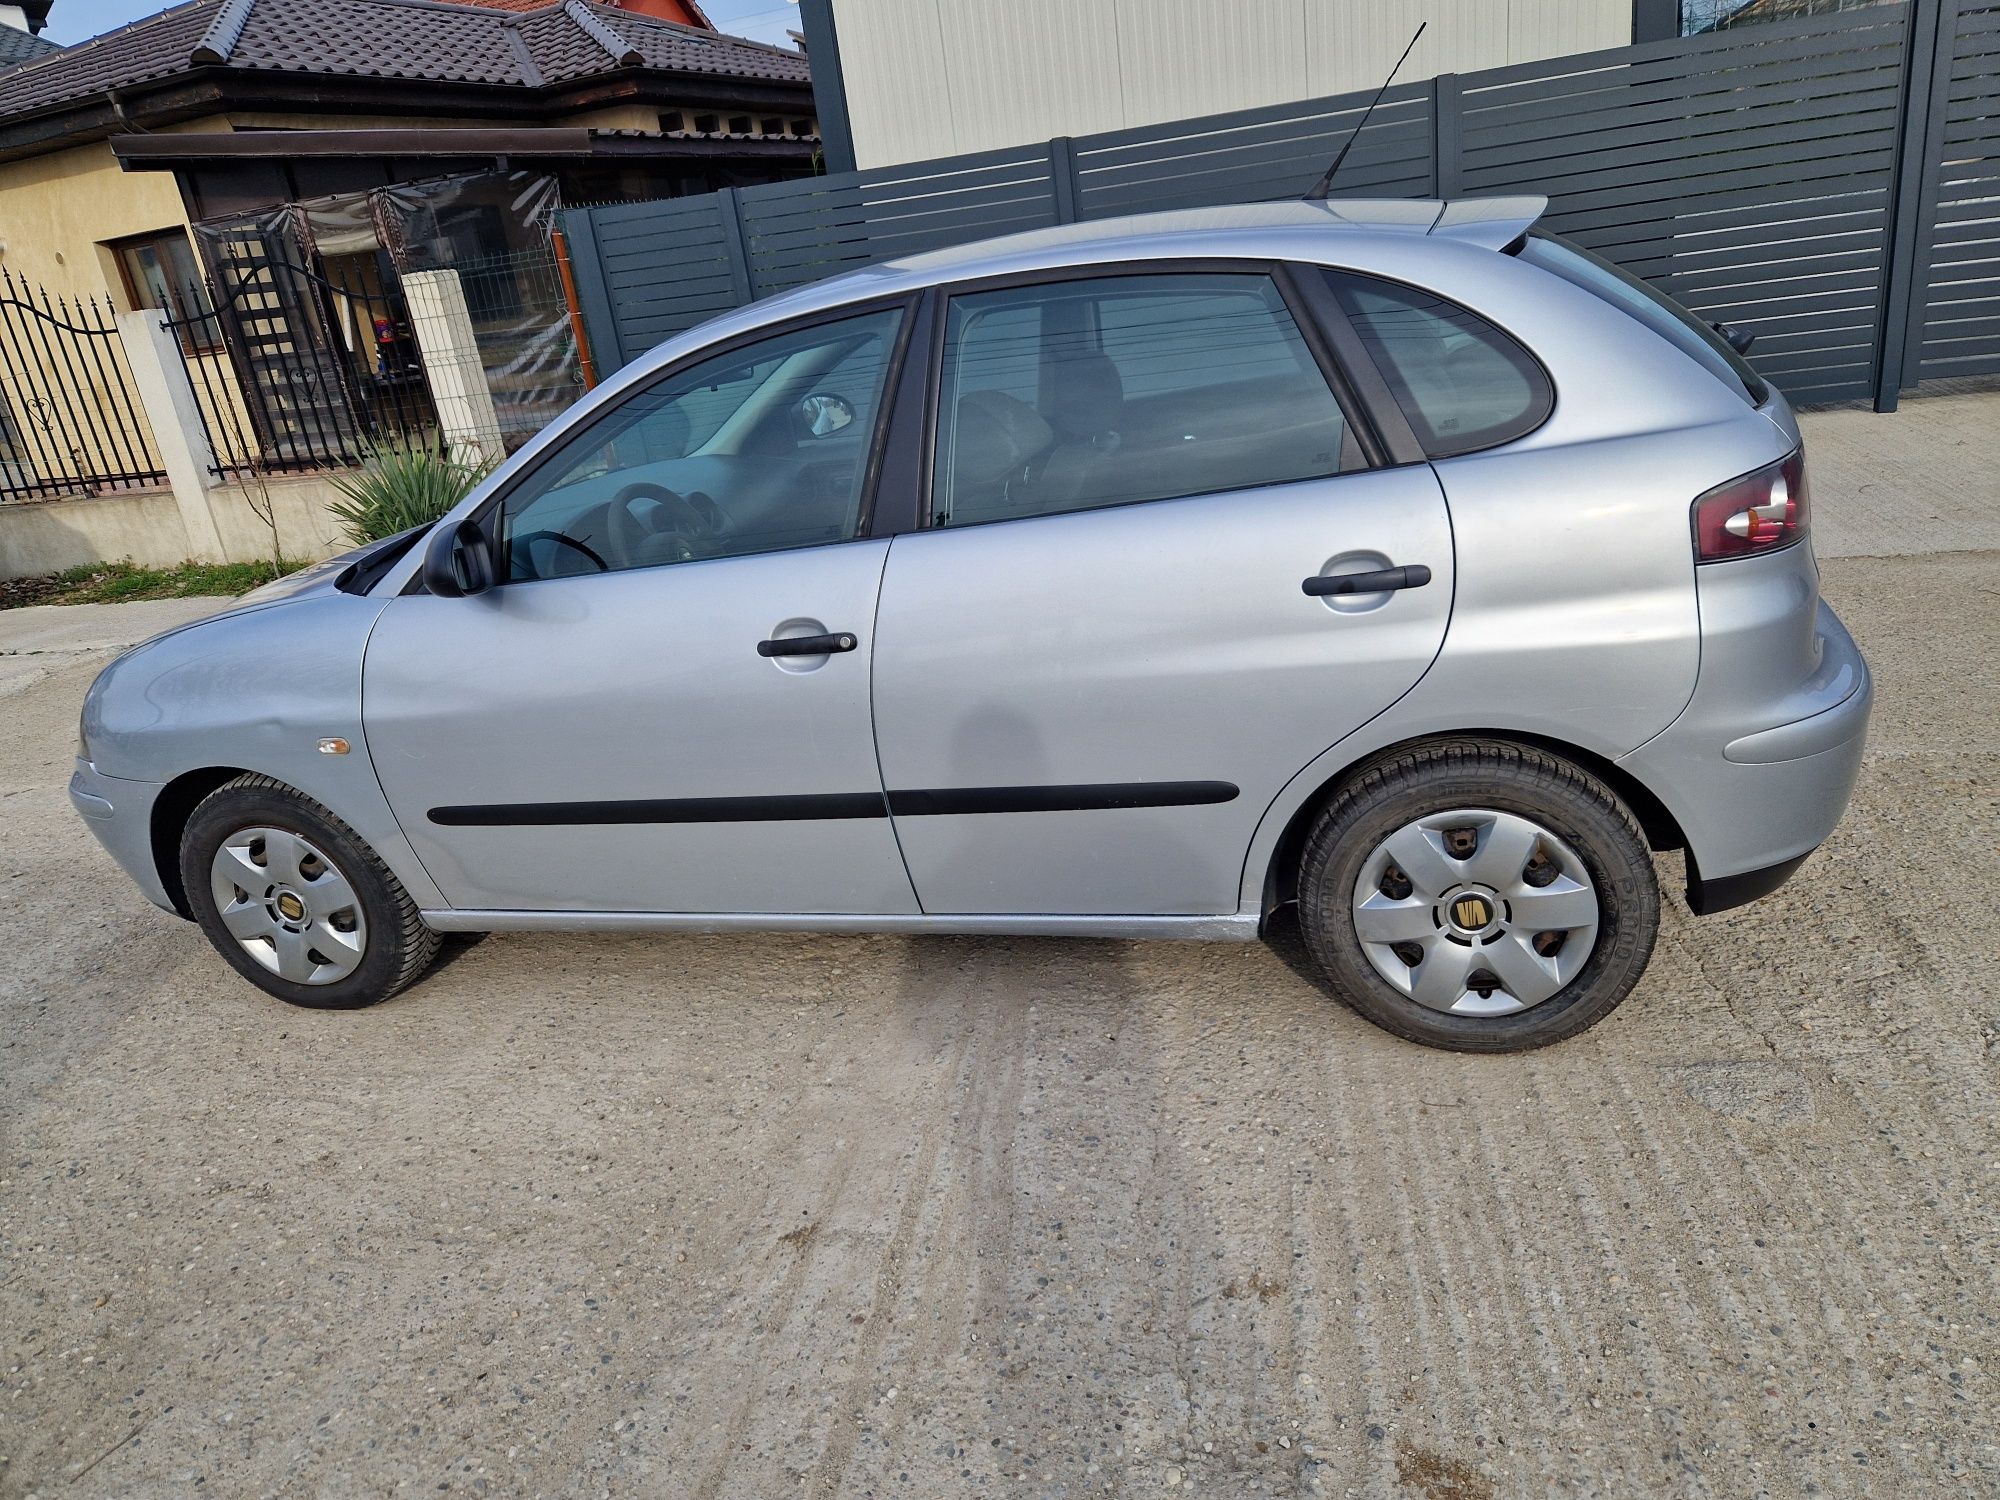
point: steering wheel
(526, 542)
(665, 531)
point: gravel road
(770, 1216)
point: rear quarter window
(1462, 383)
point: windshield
(1687, 332)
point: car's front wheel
(296, 901)
(1478, 896)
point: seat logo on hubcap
(292, 907)
(1471, 912)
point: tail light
(1760, 512)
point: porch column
(166, 395)
(452, 365)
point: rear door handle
(808, 645)
(1381, 581)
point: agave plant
(400, 486)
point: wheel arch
(172, 808)
(1280, 875)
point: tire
(1435, 802)
(304, 893)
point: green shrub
(400, 486)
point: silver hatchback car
(1392, 560)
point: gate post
(453, 366)
(1917, 128)
(166, 395)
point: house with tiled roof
(305, 157)
(19, 45)
(223, 107)
(686, 12)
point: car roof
(1232, 229)
(1492, 222)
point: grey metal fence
(1830, 183)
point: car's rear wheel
(1479, 896)
(297, 901)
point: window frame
(191, 343)
(911, 305)
(1379, 430)
(1550, 396)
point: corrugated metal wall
(928, 78)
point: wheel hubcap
(288, 905)
(1475, 912)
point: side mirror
(458, 560)
(822, 413)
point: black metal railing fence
(71, 421)
(294, 370)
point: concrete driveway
(758, 1217)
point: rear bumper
(1707, 897)
(1755, 792)
(120, 813)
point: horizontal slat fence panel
(1250, 155)
(665, 266)
(1960, 329)
(1720, 184)
(797, 232)
(1758, 174)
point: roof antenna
(1323, 189)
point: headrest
(1086, 395)
(994, 435)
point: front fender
(258, 691)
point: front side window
(1462, 383)
(757, 450)
(1071, 395)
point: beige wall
(145, 526)
(56, 210)
(936, 77)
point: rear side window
(1659, 312)
(1070, 395)
(1463, 384)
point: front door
(665, 705)
(1098, 665)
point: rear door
(1096, 662)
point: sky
(74, 20)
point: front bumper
(1756, 790)
(120, 813)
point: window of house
(160, 271)
(1066, 396)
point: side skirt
(1233, 927)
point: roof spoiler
(1492, 223)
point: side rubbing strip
(1097, 797)
(666, 810)
(1087, 798)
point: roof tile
(414, 39)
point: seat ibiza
(1393, 561)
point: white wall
(938, 77)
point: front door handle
(1381, 581)
(808, 645)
